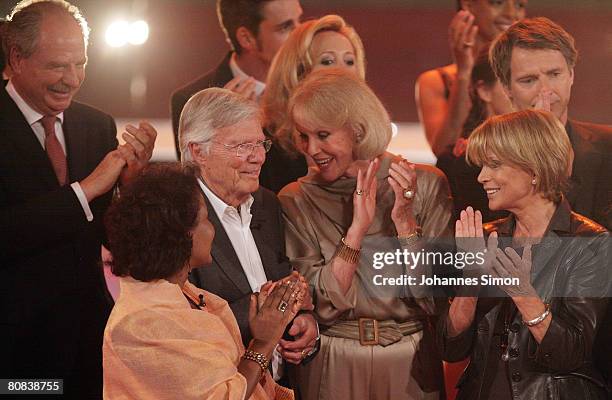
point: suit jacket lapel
(269, 258)
(223, 253)
(76, 144)
(18, 131)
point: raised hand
(469, 237)
(137, 150)
(242, 86)
(543, 100)
(364, 203)
(403, 181)
(508, 264)
(462, 37)
(104, 176)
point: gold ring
(359, 192)
(468, 44)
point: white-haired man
(221, 132)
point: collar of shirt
(237, 72)
(31, 115)
(223, 210)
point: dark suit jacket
(53, 298)
(590, 193)
(225, 276)
(218, 77)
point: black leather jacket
(571, 271)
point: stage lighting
(139, 32)
(117, 34)
(120, 33)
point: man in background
(534, 60)
(255, 31)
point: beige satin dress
(317, 215)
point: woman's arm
(443, 118)
(364, 209)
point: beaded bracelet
(258, 358)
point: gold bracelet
(347, 253)
(410, 239)
(258, 358)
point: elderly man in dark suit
(220, 131)
(59, 161)
(534, 60)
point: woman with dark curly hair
(165, 338)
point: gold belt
(372, 332)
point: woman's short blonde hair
(532, 140)
(293, 62)
(337, 98)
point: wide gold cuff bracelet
(347, 253)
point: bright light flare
(120, 33)
(139, 32)
(117, 33)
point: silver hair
(209, 110)
(23, 24)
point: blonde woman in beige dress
(358, 198)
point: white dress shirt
(33, 118)
(237, 225)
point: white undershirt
(33, 118)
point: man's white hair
(209, 110)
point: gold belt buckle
(368, 331)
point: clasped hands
(268, 320)
(123, 163)
(498, 263)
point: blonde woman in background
(316, 44)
